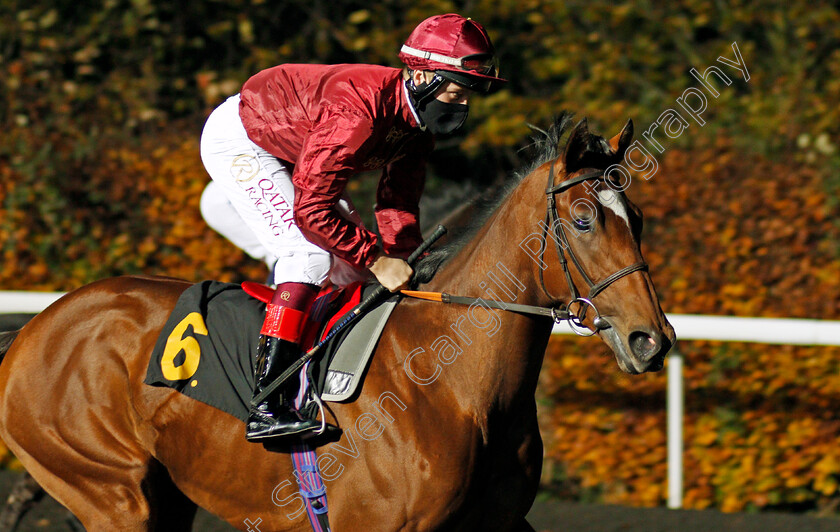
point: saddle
(207, 348)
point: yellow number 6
(176, 343)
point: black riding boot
(275, 416)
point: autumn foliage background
(103, 103)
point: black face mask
(439, 118)
(442, 118)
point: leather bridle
(561, 243)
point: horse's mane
(6, 339)
(547, 147)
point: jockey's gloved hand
(391, 272)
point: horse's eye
(583, 224)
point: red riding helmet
(456, 48)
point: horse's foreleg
(512, 486)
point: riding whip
(370, 301)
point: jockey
(280, 154)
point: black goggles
(467, 79)
(484, 64)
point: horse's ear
(576, 146)
(621, 142)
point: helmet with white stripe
(456, 48)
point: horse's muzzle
(649, 347)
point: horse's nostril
(643, 345)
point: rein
(562, 311)
(555, 314)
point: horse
(442, 436)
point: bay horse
(443, 435)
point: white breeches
(250, 202)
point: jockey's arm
(330, 156)
(398, 216)
(398, 199)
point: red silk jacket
(333, 121)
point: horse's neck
(500, 366)
(498, 242)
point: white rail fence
(727, 329)
(19, 302)
(688, 327)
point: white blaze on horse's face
(612, 200)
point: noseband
(561, 243)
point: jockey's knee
(221, 215)
(343, 273)
(303, 266)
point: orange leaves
(760, 430)
(134, 211)
(90, 188)
(597, 440)
(7, 459)
(738, 234)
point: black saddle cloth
(207, 348)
